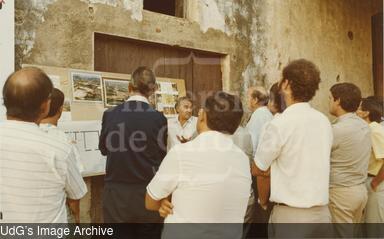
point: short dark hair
(143, 81)
(277, 98)
(25, 91)
(57, 101)
(374, 107)
(180, 99)
(260, 94)
(304, 79)
(348, 94)
(224, 112)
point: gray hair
(143, 81)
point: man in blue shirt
(257, 100)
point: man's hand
(376, 181)
(182, 139)
(374, 184)
(165, 208)
(74, 206)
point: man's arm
(74, 206)
(163, 206)
(376, 181)
(163, 185)
(263, 184)
(74, 186)
(268, 150)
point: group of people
(288, 164)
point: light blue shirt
(259, 118)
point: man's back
(351, 150)
(38, 172)
(134, 139)
(300, 175)
(211, 180)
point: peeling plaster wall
(316, 30)
(60, 32)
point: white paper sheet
(86, 135)
(55, 81)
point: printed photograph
(86, 87)
(115, 91)
(166, 99)
(67, 105)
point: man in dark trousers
(133, 137)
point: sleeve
(377, 138)
(74, 186)
(76, 154)
(337, 135)
(269, 147)
(103, 135)
(166, 178)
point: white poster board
(85, 135)
(7, 47)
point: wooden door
(377, 52)
(200, 70)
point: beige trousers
(347, 204)
(294, 222)
(374, 211)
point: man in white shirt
(208, 178)
(49, 125)
(182, 128)
(257, 100)
(38, 172)
(297, 146)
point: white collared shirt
(188, 130)
(138, 98)
(297, 146)
(37, 174)
(209, 179)
(59, 134)
(259, 118)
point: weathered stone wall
(60, 32)
(259, 36)
(335, 34)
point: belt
(281, 204)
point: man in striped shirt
(38, 172)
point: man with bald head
(37, 171)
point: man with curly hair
(296, 148)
